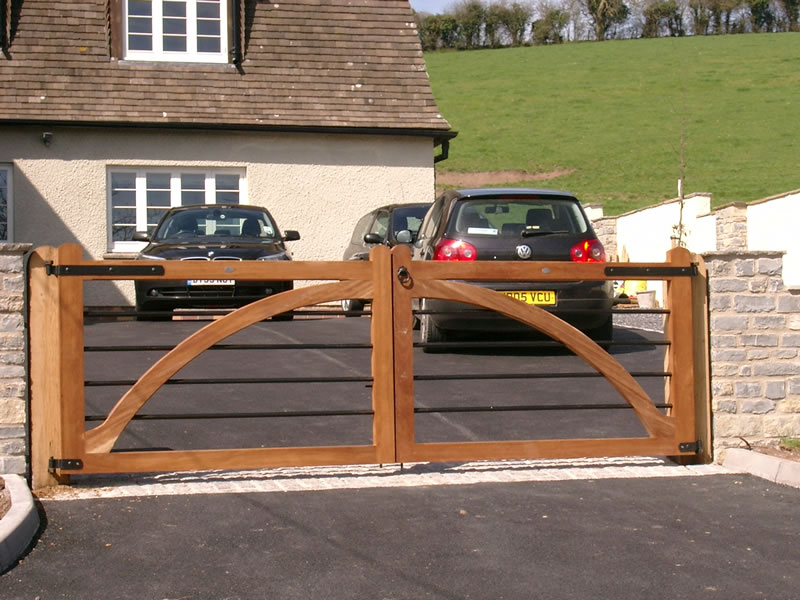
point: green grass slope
(612, 115)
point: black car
(211, 232)
(514, 225)
(382, 226)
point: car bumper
(585, 305)
(167, 295)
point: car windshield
(217, 223)
(518, 217)
(408, 217)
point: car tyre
(603, 334)
(429, 333)
(352, 306)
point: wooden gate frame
(60, 445)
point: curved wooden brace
(656, 424)
(103, 437)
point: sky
(431, 6)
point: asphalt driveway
(707, 536)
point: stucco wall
(763, 225)
(317, 184)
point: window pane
(140, 42)
(208, 10)
(175, 26)
(143, 8)
(153, 217)
(193, 181)
(174, 44)
(123, 181)
(175, 9)
(227, 197)
(227, 182)
(208, 44)
(208, 28)
(140, 26)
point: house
(111, 111)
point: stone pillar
(754, 340)
(13, 363)
(731, 227)
(606, 230)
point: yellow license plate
(541, 297)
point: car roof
(391, 207)
(489, 192)
(176, 209)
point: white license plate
(210, 282)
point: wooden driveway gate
(61, 445)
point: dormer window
(176, 30)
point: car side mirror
(290, 235)
(140, 236)
(404, 236)
(373, 238)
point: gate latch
(69, 464)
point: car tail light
(588, 251)
(454, 250)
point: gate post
(381, 332)
(685, 300)
(56, 363)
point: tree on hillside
(701, 16)
(604, 14)
(493, 26)
(437, 31)
(549, 29)
(515, 18)
(470, 16)
(791, 10)
(761, 16)
(722, 15)
(663, 16)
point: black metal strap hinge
(92, 270)
(68, 464)
(630, 272)
(693, 447)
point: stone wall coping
(16, 248)
(743, 253)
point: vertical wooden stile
(382, 355)
(45, 394)
(680, 332)
(403, 352)
(73, 411)
(702, 360)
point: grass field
(612, 114)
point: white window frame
(175, 173)
(9, 171)
(191, 54)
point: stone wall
(13, 354)
(754, 338)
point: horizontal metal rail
(229, 381)
(240, 415)
(368, 379)
(527, 407)
(167, 348)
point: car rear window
(510, 217)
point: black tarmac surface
(716, 536)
